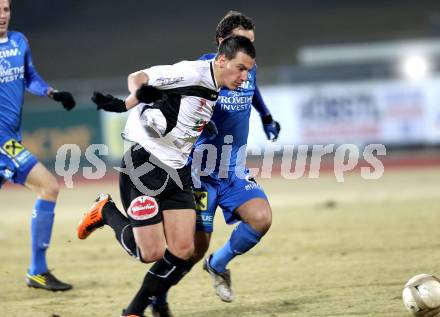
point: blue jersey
(231, 116)
(17, 73)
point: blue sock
(160, 300)
(242, 239)
(41, 230)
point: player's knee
(182, 249)
(151, 254)
(50, 189)
(261, 220)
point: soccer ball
(421, 295)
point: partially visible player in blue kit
(230, 186)
(18, 165)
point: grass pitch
(335, 249)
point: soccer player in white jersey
(17, 164)
(241, 199)
(177, 101)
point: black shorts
(148, 188)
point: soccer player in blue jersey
(229, 186)
(18, 165)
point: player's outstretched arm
(64, 97)
(148, 94)
(108, 102)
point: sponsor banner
(47, 129)
(388, 112)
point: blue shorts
(15, 162)
(228, 193)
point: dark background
(104, 38)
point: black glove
(211, 128)
(148, 94)
(65, 98)
(271, 127)
(108, 102)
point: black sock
(162, 299)
(165, 273)
(122, 228)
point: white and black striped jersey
(169, 127)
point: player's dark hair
(233, 44)
(231, 21)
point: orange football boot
(93, 218)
